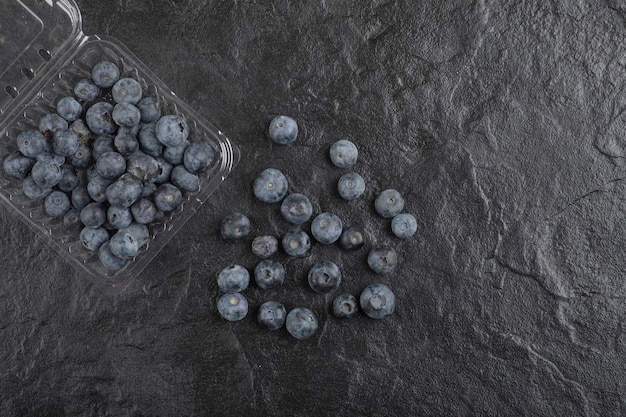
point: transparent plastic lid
(33, 33)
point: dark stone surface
(502, 123)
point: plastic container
(43, 53)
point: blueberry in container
(43, 56)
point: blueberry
(109, 260)
(99, 118)
(82, 130)
(377, 301)
(149, 142)
(167, 197)
(264, 246)
(69, 109)
(350, 186)
(234, 278)
(269, 274)
(119, 217)
(46, 173)
(184, 179)
(105, 74)
(389, 203)
(126, 90)
(86, 90)
(235, 226)
(31, 142)
(142, 166)
(126, 115)
(124, 191)
(71, 220)
(93, 237)
(283, 130)
(232, 306)
(97, 186)
(404, 225)
(175, 155)
(270, 186)
(33, 190)
(382, 259)
(144, 211)
(352, 238)
(69, 178)
(343, 153)
(103, 144)
(301, 323)
(149, 109)
(56, 204)
(111, 165)
(80, 197)
(47, 156)
(139, 231)
(64, 142)
(198, 157)
(124, 244)
(125, 143)
(272, 315)
(345, 306)
(148, 190)
(163, 171)
(17, 165)
(50, 123)
(324, 277)
(82, 157)
(172, 130)
(296, 242)
(296, 208)
(93, 215)
(326, 228)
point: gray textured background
(501, 122)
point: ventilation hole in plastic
(45, 54)
(28, 73)
(12, 91)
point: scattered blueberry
(184, 179)
(69, 179)
(198, 157)
(125, 143)
(46, 173)
(127, 90)
(283, 130)
(378, 301)
(56, 204)
(149, 109)
(96, 188)
(108, 259)
(389, 203)
(269, 274)
(234, 278)
(296, 242)
(93, 215)
(17, 165)
(86, 90)
(126, 115)
(270, 186)
(93, 237)
(119, 217)
(343, 153)
(142, 166)
(345, 306)
(175, 155)
(382, 259)
(164, 169)
(82, 157)
(50, 123)
(326, 228)
(404, 225)
(324, 277)
(301, 323)
(148, 140)
(235, 226)
(264, 246)
(82, 131)
(350, 186)
(139, 231)
(69, 109)
(99, 118)
(102, 144)
(33, 190)
(272, 315)
(143, 211)
(124, 244)
(167, 197)
(80, 197)
(111, 165)
(105, 74)
(232, 306)
(352, 238)
(172, 130)
(31, 142)
(296, 208)
(124, 191)
(65, 142)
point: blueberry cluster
(271, 186)
(109, 164)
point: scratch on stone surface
(250, 366)
(537, 278)
(184, 291)
(599, 189)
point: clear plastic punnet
(43, 53)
